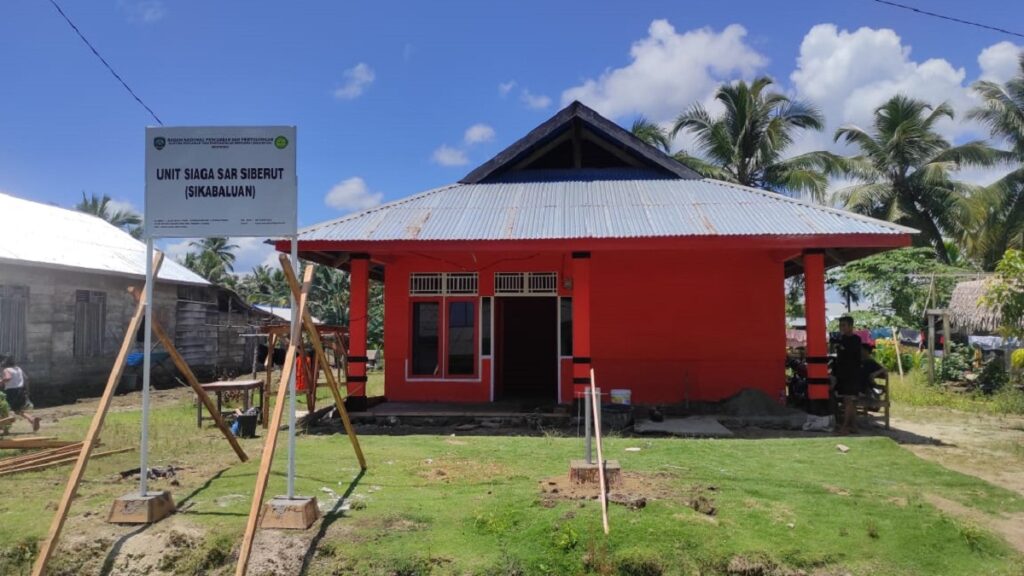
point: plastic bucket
(246, 425)
(622, 396)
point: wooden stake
(896, 344)
(190, 377)
(275, 424)
(596, 406)
(49, 544)
(314, 336)
(268, 373)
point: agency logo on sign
(281, 142)
(159, 142)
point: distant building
(64, 304)
(580, 246)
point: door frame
(497, 337)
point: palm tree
(651, 133)
(746, 144)
(903, 170)
(998, 210)
(99, 206)
(219, 250)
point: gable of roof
(38, 234)
(594, 140)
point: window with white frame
(525, 283)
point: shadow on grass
(201, 488)
(329, 518)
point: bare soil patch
(1009, 526)
(634, 491)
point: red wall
(670, 326)
(696, 326)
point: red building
(580, 246)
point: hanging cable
(949, 18)
(105, 63)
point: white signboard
(220, 181)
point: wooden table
(246, 387)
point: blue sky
(385, 94)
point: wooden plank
(267, 459)
(596, 405)
(50, 542)
(268, 367)
(318, 347)
(41, 456)
(57, 461)
(8, 420)
(190, 377)
(16, 460)
(30, 443)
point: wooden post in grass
(596, 407)
(321, 358)
(268, 366)
(896, 346)
(50, 542)
(275, 424)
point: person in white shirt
(12, 378)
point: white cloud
(669, 72)
(355, 81)
(122, 205)
(478, 133)
(1000, 62)
(534, 101)
(145, 11)
(448, 156)
(351, 195)
(849, 74)
(505, 87)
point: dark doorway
(527, 348)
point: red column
(580, 319)
(359, 295)
(814, 313)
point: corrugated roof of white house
(38, 234)
(282, 312)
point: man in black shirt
(847, 372)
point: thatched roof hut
(967, 313)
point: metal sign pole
(297, 340)
(147, 343)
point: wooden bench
(246, 387)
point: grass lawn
(473, 505)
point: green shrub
(885, 354)
(955, 361)
(993, 376)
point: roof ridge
(387, 205)
(812, 205)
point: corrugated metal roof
(282, 312)
(40, 234)
(593, 205)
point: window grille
(461, 283)
(525, 283)
(90, 323)
(13, 316)
(441, 284)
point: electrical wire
(105, 63)
(949, 18)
